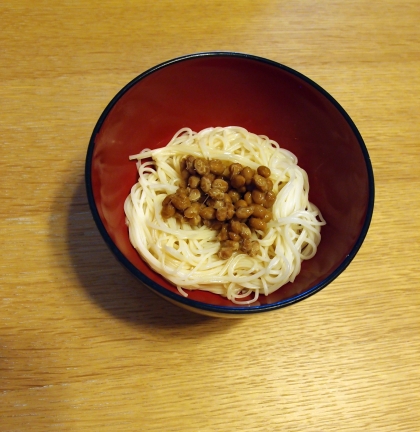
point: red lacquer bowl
(267, 98)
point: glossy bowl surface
(233, 89)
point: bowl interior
(263, 97)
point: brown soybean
(259, 211)
(225, 253)
(224, 234)
(257, 224)
(216, 203)
(234, 236)
(216, 167)
(180, 202)
(264, 171)
(220, 184)
(269, 185)
(193, 210)
(202, 166)
(194, 195)
(250, 247)
(236, 227)
(226, 172)
(257, 196)
(182, 191)
(168, 211)
(237, 181)
(195, 220)
(248, 198)
(268, 216)
(227, 198)
(270, 199)
(247, 173)
(211, 176)
(208, 213)
(255, 248)
(244, 212)
(234, 196)
(167, 200)
(185, 174)
(189, 164)
(221, 214)
(235, 169)
(216, 225)
(205, 184)
(231, 243)
(260, 182)
(230, 210)
(245, 232)
(241, 203)
(193, 181)
(216, 193)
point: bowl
(233, 89)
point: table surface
(84, 348)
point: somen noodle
(187, 256)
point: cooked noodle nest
(187, 256)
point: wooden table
(84, 348)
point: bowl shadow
(106, 282)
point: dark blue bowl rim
(229, 310)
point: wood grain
(84, 348)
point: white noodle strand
(187, 256)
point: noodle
(187, 256)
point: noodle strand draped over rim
(187, 256)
